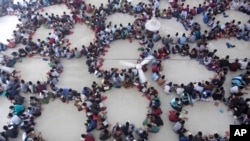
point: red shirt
(89, 138)
(172, 116)
(155, 68)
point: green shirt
(18, 109)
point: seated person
(164, 14)
(193, 53)
(106, 84)
(238, 81)
(117, 132)
(128, 128)
(17, 109)
(30, 135)
(218, 94)
(34, 111)
(90, 125)
(11, 43)
(10, 131)
(89, 8)
(176, 104)
(163, 53)
(143, 41)
(3, 137)
(173, 116)
(180, 89)
(27, 124)
(156, 76)
(161, 81)
(234, 66)
(22, 52)
(179, 127)
(87, 137)
(156, 36)
(152, 128)
(3, 47)
(105, 134)
(238, 90)
(206, 95)
(186, 99)
(14, 119)
(64, 94)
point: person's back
(105, 134)
(177, 127)
(243, 64)
(153, 128)
(234, 66)
(173, 116)
(14, 119)
(2, 137)
(87, 137)
(237, 81)
(199, 137)
(11, 131)
(175, 104)
(18, 109)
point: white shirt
(243, 64)
(234, 89)
(179, 90)
(156, 4)
(88, 104)
(167, 89)
(198, 88)
(15, 120)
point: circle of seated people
(65, 52)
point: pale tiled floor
(63, 122)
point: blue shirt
(183, 40)
(138, 8)
(65, 91)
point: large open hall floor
(63, 122)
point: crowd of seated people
(22, 117)
(56, 46)
(90, 100)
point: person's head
(200, 133)
(149, 125)
(177, 99)
(216, 135)
(182, 85)
(10, 115)
(170, 83)
(60, 90)
(190, 137)
(83, 135)
(182, 122)
(5, 128)
(199, 83)
(106, 131)
(163, 77)
(11, 107)
(127, 123)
